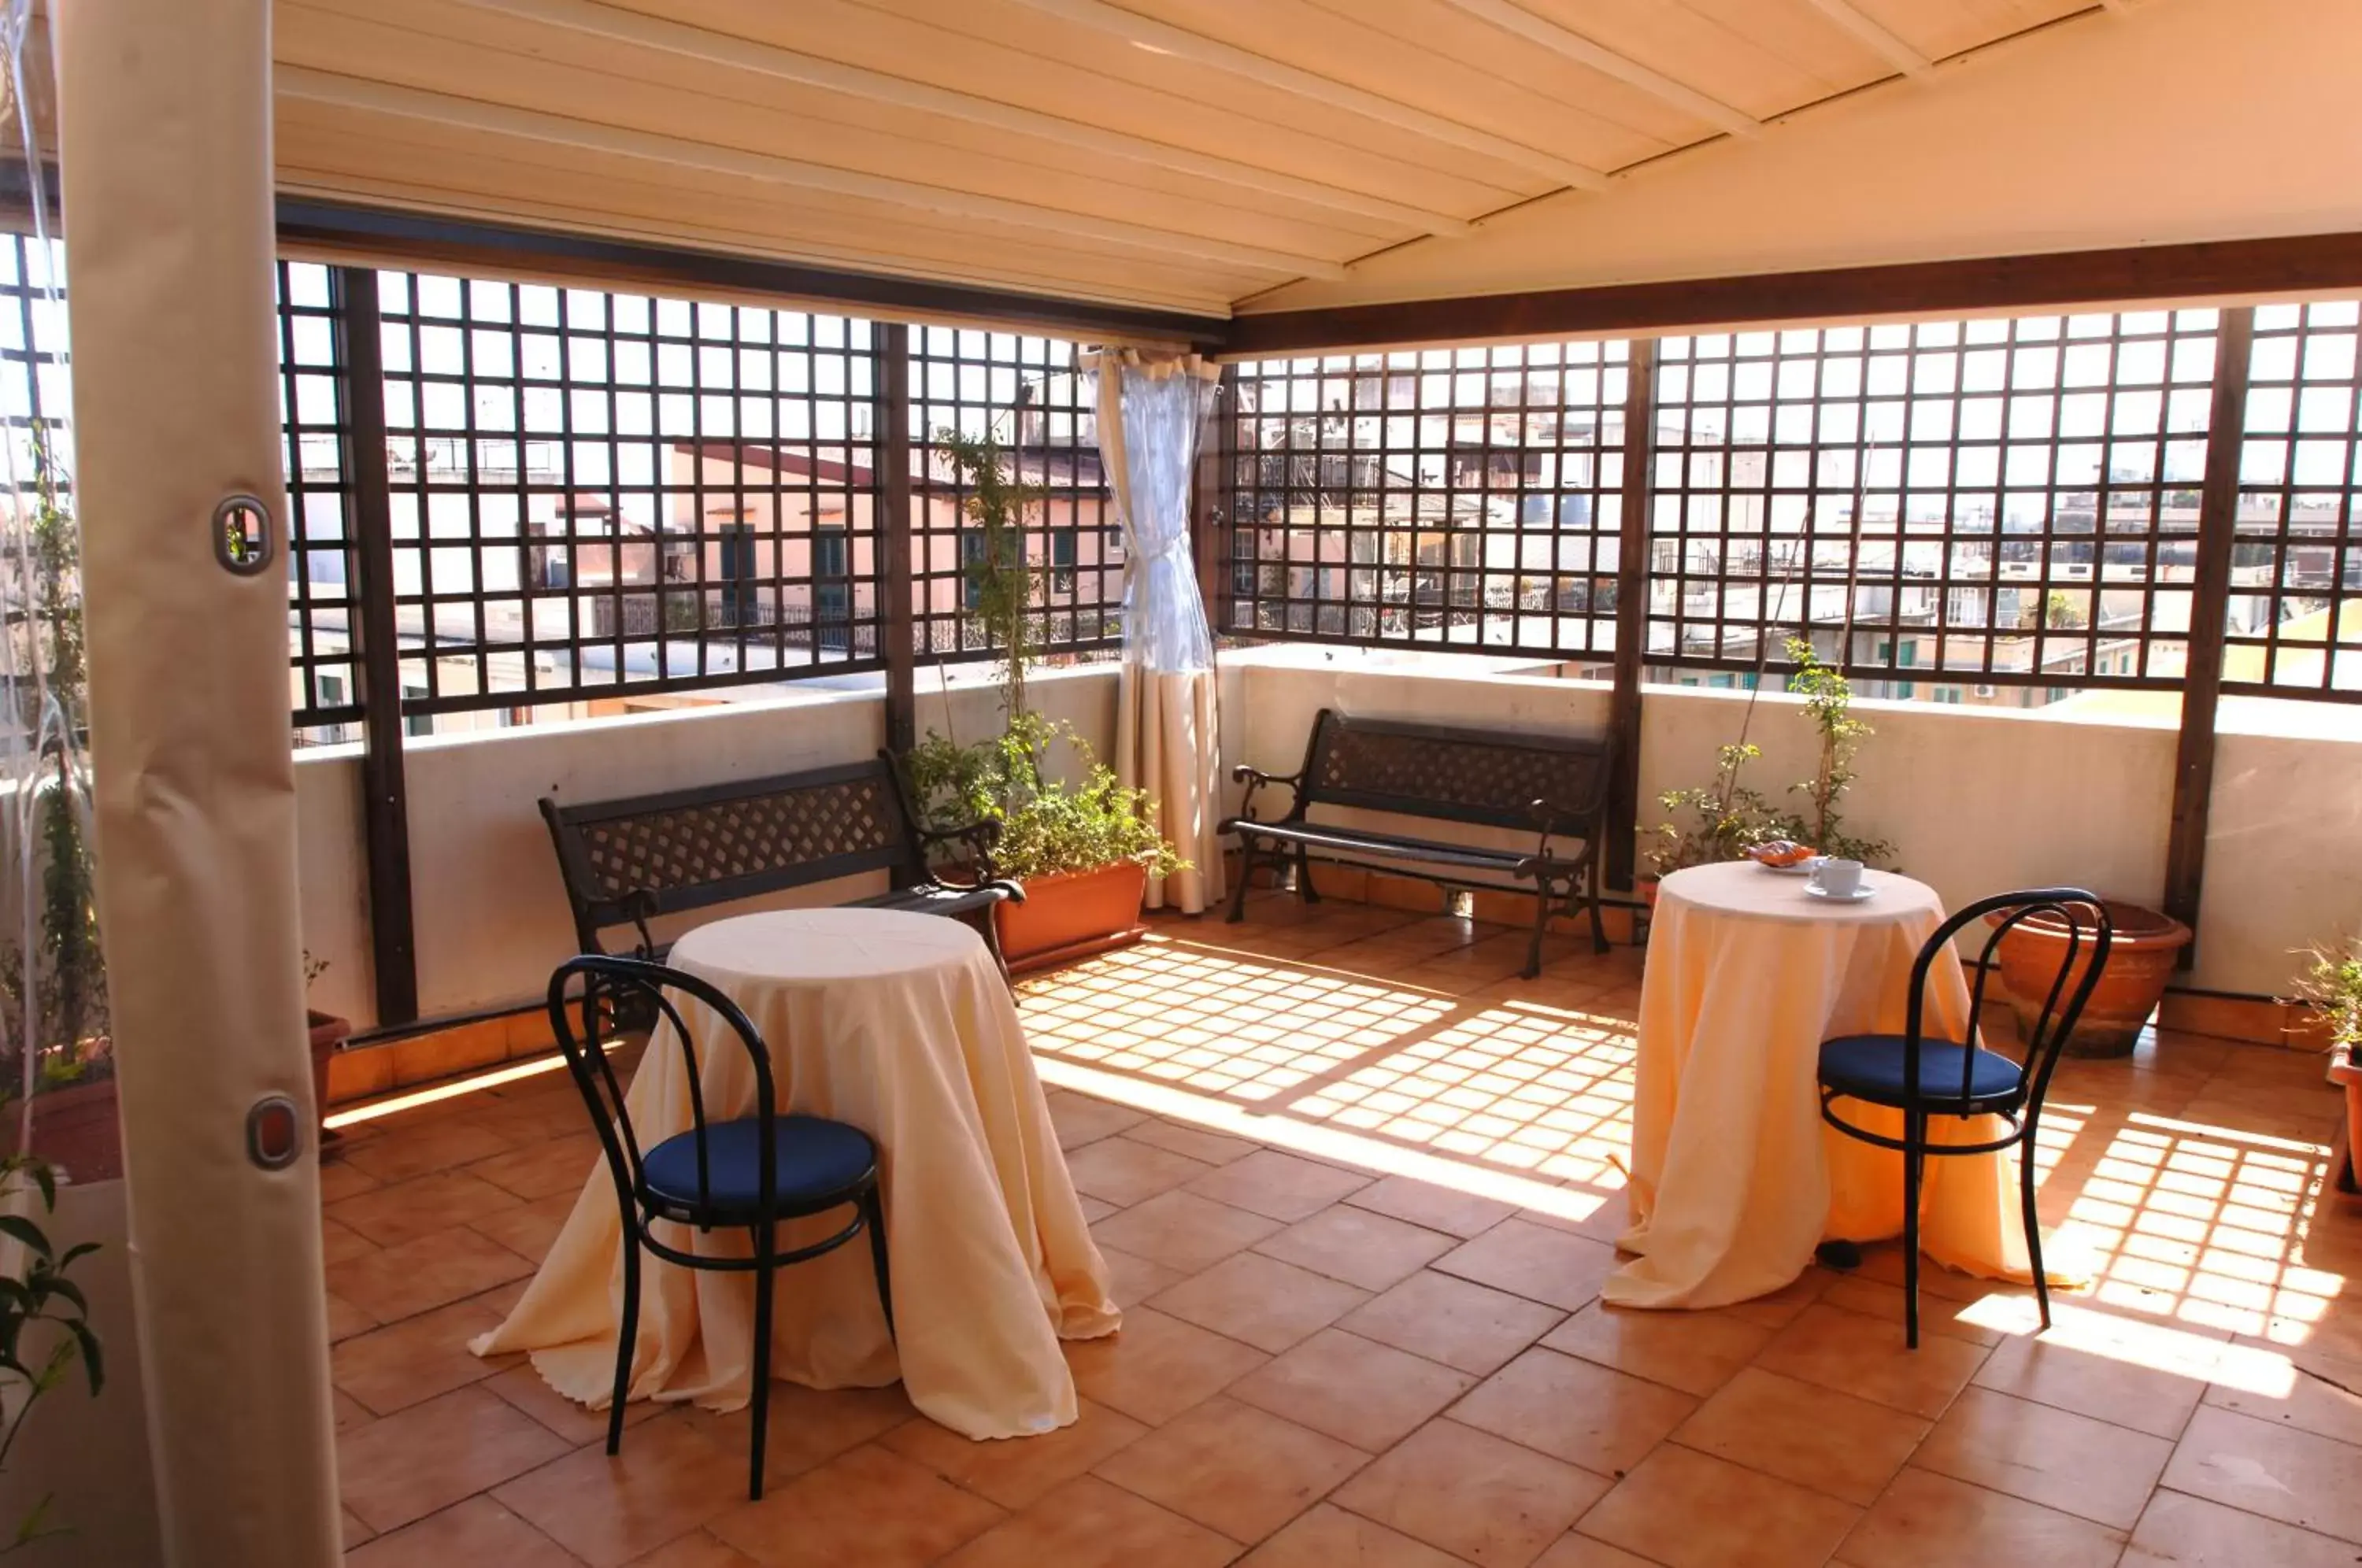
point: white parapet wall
(1976, 800)
(491, 918)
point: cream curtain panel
(1167, 732)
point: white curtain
(1167, 729)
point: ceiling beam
(1515, 20)
(1159, 38)
(1869, 30)
(532, 125)
(811, 70)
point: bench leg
(1599, 926)
(1248, 856)
(1541, 924)
(1304, 888)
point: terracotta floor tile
(1855, 1355)
(427, 1205)
(404, 1363)
(1469, 1493)
(524, 1387)
(353, 1532)
(1016, 1473)
(1470, 1327)
(1081, 1119)
(417, 1462)
(2053, 1457)
(1575, 1410)
(696, 1549)
(1538, 1262)
(1575, 1550)
(2292, 1386)
(871, 1506)
(1926, 1520)
(809, 1427)
(339, 1241)
(546, 1169)
(1329, 1537)
(1783, 1306)
(1355, 1390)
(1983, 1321)
(2147, 1376)
(434, 1145)
(1696, 1352)
(1358, 1246)
(348, 1411)
(1091, 1523)
(1198, 1143)
(1687, 1509)
(1183, 1231)
(1158, 1366)
(1233, 1468)
(2181, 1531)
(1803, 1432)
(1279, 1187)
(528, 1229)
(1435, 1207)
(433, 1271)
(666, 1482)
(477, 1530)
(1260, 1301)
(344, 1320)
(1125, 1172)
(2294, 1476)
(1132, 1279)
(339, 1181)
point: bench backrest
(1492, 776)
(690, 848)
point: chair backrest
(2081, 916)
(591, 989)
(1489, 776)
(627, 861)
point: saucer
(1860, 892)
(1802, 868)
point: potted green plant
(1828, 701)
(1084, 851)
(329, 1033)
(1725, 820)
(45, 1329)
(2331, 989)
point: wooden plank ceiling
(1177, 154)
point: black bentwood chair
(750, 1173)
(1923, 1079)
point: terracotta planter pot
(328, 1034)
(1070, 914)
(2140, 962)
(76, 1130)
(2346, 1074)
(1648, 886)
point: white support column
(164, 112)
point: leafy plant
(1045, 825)
(1727, 817)
(1828, 700)
(1001, 576)
(2332, 987)
(44, 1323)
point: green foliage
(1828, 698)
(1002, 575)
(45, 1331)
(1045, 826)
(2332, 987)
(1727, 817)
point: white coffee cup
(1838, 878)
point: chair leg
(627, 1340)
(1915, 1132)
(1598, 924)
(1247, 861)
(873, 1214)
(765, 1275)
(2033, 1224)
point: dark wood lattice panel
(1467, 771)
(690, 846)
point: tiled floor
(1359, 1186)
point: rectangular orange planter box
(1072, 915)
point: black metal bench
(627, 862)
(1555, 786)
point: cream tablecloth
(900, 1025)
(1734, 1176)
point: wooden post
(1631, 609)
(890, 438)
(2218, 522)
(385, 796)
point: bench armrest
(1553, 819)
(980, 837)
(1255, 778)
(640, 906)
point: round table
(1734, 1176)
(900, 1024)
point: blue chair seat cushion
(814, 1158)
(1869, 1066)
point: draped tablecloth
(1734, 1176)
(900, 1025)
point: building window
(1062, 560)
